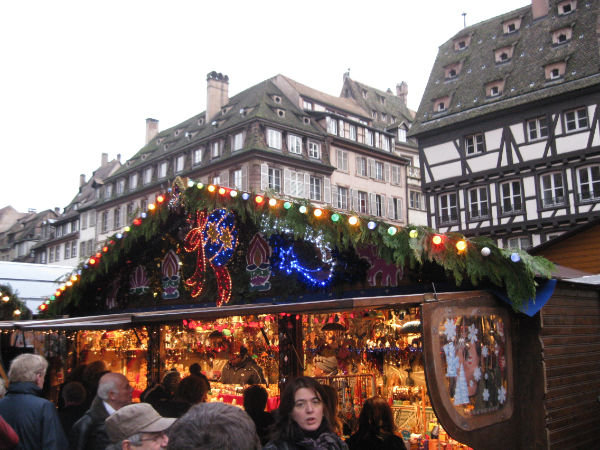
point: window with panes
(315, 188)
(237, 179)
(133, 181)
(130, 207)
(162, 170)
(67, 250)
(396, 212)
(108, 191)
(343, 198)
(537, 128)
(342, 160)
(179, 163)
(378, 169)
(274, 138)
(294, 144)
(90, 246)
(51, 255)
(274, 179)
(474, 144)
(238, 141)
(553, 191)
(363, 201)
(331, 125)
(448, 208)
(82, 249)
(520, 242)
(588, 183)
(104, 226)
(352, 132)
(148, 175)
(510, 194)
(73, 249)
(117, 218)
(361, 166)
(215, 149)
(198, 155)
(378, 207)
(478, 203)
(368, 137)
(401, 134)
(395, 174)
(576, 119)
(415, 200)
(314, 149)
(120, 186)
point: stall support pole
(291, 352)
(154, 354)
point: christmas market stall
(216, 277)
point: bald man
(89, 432)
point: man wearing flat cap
(138, 426)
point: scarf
(320, 439)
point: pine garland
(470, 265)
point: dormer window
(566, 7)
(562, 35)
(441, 104)
(494, 89)
(277, 99)
(511, 26)
(555, 71)
(462, 43)
(281, 113)
(364, 93)
(502, 55)
(452, 70)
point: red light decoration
(98, 255)
(222, 191)
(259, 199)
(137, 221)
(436, 239)
(160, 198)
(105, 249)
(92, 261)
(43, 307)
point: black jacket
(89, 432)
(245, 372)
(33, 418)
(372, 442)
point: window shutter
(225, 178)
(400, 213)
(371, 206)
(306, 186)
(390, 208)
(286, 181)
(386, 172)
(357, 165)
(334, 195)
(245, 178)
(354, 199)
(264, 177)
(370, 167)
(383, 206)
(327, 190)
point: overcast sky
(79, 78)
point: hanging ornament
(170, 275)
(485, 251)
(514, 257)
(214, 238)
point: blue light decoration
(514, 257)
(371, 225)
(245, 196)
(143, 215)
(220, 237)
(288, 261)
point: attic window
(177, 132)
(511, 26)
(555, 71)
(567, 7)
(306, 121)
(494, 89)
(462, 43)
(281, 113)
(201, 121)
(277, 99)
(503, 54)
(452, 70)
(562, 35)
(441, 104)
(381, 99)
(364, 93)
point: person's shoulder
(277, 445)
(395, 442)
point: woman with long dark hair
(376, 428)
(302, 420)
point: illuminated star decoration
(214, 238)
(472, 333)
(450, 329)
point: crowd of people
(96, 412)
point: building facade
(279, 137)
(508, 125)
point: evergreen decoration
(411, 247)
(10, 303)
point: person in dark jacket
(242, 369)
(73, 395)
(34, 419)
(89, 432)
(255, 402)
(376, 428)
(302, 420)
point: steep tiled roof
(523, 74)
(391, 106)
(264, 101)
(87, 193)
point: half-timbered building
(508, 125)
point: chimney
(81, 179)
(402, 91)
(151, 129)
(104, 159)
(539, 8)
(217, 93)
